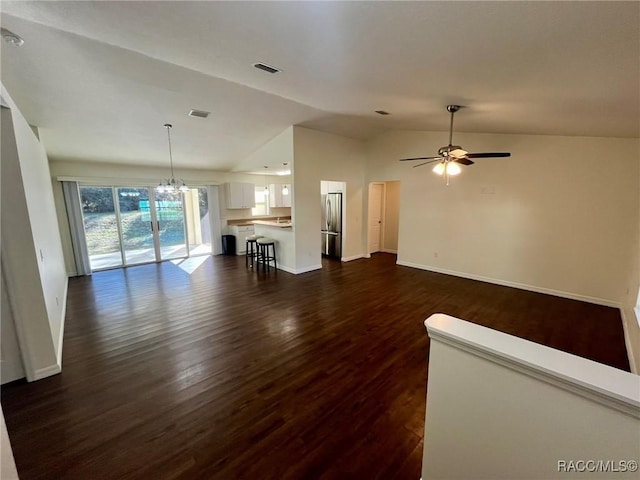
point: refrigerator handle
(329, 222)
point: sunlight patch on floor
(190, 265)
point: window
(262, 202)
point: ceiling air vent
(267, 68)
(198, 113)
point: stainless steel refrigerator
(332, 225)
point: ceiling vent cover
(267, 68)
(199, 113)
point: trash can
(228, 245)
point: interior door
(376, 191)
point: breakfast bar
(282, 232)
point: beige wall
(559, 216)
(391, 216)
(323, 156)
(32, 257)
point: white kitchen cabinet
(241, 232)
(240, 195)
(276, 196)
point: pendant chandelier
(171, 185)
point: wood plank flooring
(227, 374)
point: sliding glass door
(170, 225)
(136, 225)
(133, 225)
(101, 226)
(196, 206)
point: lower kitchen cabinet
(241, 232)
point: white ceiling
(101, 78)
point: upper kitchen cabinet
(280, 195)
(240, 195)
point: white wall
(324, 156)
(11, 367)
(501, 407)
(31, 248)
(561, 216)
(8, 469)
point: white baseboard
(64, 315)
(521, 286)
(628, 315)
(353, 257)
(284, 268)
(299, 270)
(41, 373)
(388, 250)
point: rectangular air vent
(198, 113)
(267, 68)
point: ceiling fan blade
(457, 153)
(463, 161)
(488, 155)
(424, 163)
(420, 158)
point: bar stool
(251, 248)
(264, 255)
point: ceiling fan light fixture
(451, 157)
(453, 168)
(439, 168)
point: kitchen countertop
(268, 223)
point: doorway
(383, 217)
(126, 226)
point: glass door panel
(171, 225)
(136, 225)
(196, 208)
(101, 227)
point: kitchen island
(282, 233)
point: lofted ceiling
(101, 78)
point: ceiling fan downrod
(452, 109)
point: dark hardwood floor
(224, 374)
